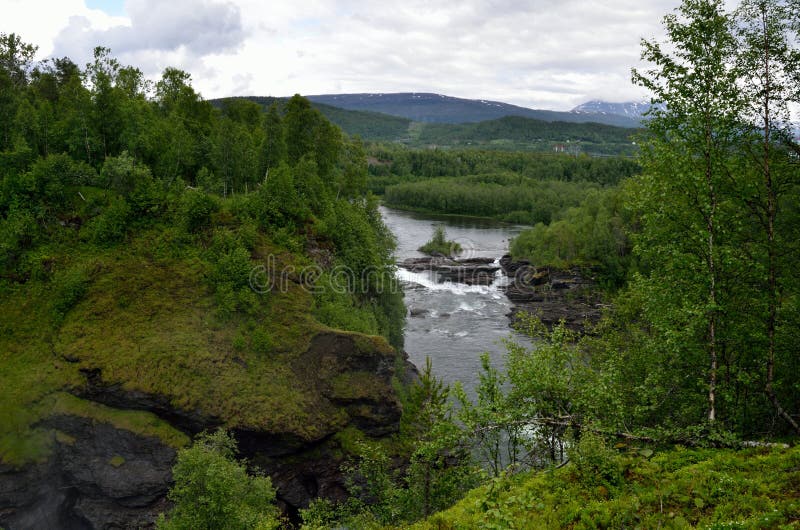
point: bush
(195, 209)
(213, 490)
(111, 225)
(122, 174)
(17, 232)
(595, 464)
(233, 267)
(440, 245)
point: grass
(676, 488)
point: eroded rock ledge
(473, 271)
(101, 475)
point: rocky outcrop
(552, 294)
(473, 271)
(103, 476)
(97, 476)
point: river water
(449, 322)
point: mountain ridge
(429, 107)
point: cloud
(156, 31)
(533, 53)
(536, 53)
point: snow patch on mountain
(629, 109)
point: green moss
(116, 461)
(28, 372)
(29, 445)
(139, 422)
(348, 439)
(64, 438)
(756, 488)
(352, 386)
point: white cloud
(535, 53)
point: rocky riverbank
(552, 294)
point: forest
(106, 152)
(681, 408)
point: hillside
(372, 126)
(437, 108)
(151, 293)
(508, 132)
(675, 488)
(533, 134)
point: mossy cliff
(96, 398)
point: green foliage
(111, 225)
(431, 163)
(503, 196)
(122, 174)
(591, 234)
(195, 209)
(18, 231)
(70, 288)
(171, 313)
(517, 132)
(677, 488)
(213, 490)
(439, 471)
(596, 465)
(439, 244)
(232, 267)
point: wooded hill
(505, 133)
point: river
(448, 322)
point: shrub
(233, 267)
(195, 209)
(440, 245)
(17, 232)
(122, 173)
(595, 463)
(111, 225)
(213, 490)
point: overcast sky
(535, 53)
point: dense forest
(518, 133)
(136, 217)
(90, 155)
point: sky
(534, 53)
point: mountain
(634, 110)
(437, 108)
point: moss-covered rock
(100, 395)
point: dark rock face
(97, 477)
(102, 477)
(474, 271)
(552, 295)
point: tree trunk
(712, 276)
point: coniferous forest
(202, 325)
